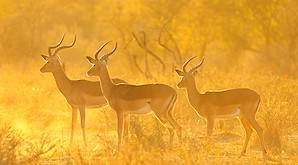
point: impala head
(53, 62)
(187, 76)
(99, 63)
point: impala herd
(159, 99)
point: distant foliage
(262, 33)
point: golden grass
(35, 124)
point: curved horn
(105, 57)
(185, 64)
(67, 46)
(99, 50)
(196, 67)
(53, 47)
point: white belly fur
(233, 115)
(144, 110)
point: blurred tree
(261, 31)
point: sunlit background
(246, 43)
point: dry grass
(35, 124)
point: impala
(239, 103)
(78, 93)
(128, 99)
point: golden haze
(250, 44)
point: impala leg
(210, 125)
(126, 126)
(221, 124)
(120, 117)
(165, 122)
(259, 131)
(176, 126)
(171, 130)
(82, 114)
(171, 119)
(73, 122)
(248, 131)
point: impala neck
(62, 81)
(106, 82)
(193, 93)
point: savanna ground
(35, 124)
(246, 43)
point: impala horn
(99, 50)
(64, 47)
(53, 47)
(196, 67)
(106, 56)
(185, 64)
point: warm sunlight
(148, 82)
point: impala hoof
(242, 154)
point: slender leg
(165, 121)
(82, 114)
(73, 122)
(126, 126)
(176, 126)
(259, 131)
(248, 131)
(171, 130)
(162, 120)
(120, 128)
(171, 120)
(210, 125)
(221, 124)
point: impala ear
(179, 72)
(45, 57)
(91, 60)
